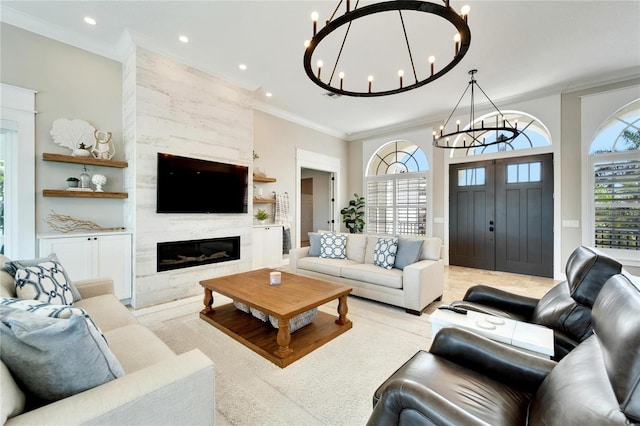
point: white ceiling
(521, 48)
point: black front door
(501, 215)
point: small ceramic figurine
(81, 151)
(98, 181)
(103, 148)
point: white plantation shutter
(617, 202)
(398, 204)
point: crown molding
(45, 29)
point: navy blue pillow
(408, 252)
(314, 247)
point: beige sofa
(412, 288)
(159, 387)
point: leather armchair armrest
(496, 360)
(511, 302)
(408, 402)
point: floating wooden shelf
(82, 194)
(263, 179)
(46, 156)
(264, 201)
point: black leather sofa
(566, 308)
(466, 379)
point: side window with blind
(397, 194)
(615, 160)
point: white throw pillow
(384, 254)
(333, 246)
(46, 282)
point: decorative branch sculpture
(63, 223)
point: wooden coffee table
(296, 294)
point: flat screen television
(191, 185)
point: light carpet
(332, 385)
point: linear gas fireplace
(184, 254)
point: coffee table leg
(342, 311)
(208, 301)
(283, 339)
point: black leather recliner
(466, 379)
(566, 308)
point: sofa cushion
(7, 283)
(11, 398)
(137, 347)
(384, 254)
(356, 244)
(12, 266)
(333, 246)
(314, 244)
(55, 358)
(325, 266)
(107, 312)
(431, 248)
(372, 240)
(46, 282)
(368, 273)
(408, 252)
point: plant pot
(72, 183)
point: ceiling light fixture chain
(462, 41)
(504, 133)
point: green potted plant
(353, 215)
(72, 182)
(261, 215)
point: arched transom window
(534, 134)
(398, 194)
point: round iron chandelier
(475, 135)
(339, 84)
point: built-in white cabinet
(93, 255)
(267, 246)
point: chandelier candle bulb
(456, 38)
(458, 125)
(341, 76)
(319, 68)
(370, 79)
(432, 60)
(465, 12)
(400, 74)
(314, 18)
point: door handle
(491, 229)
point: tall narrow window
(615, 160)
(397, 200)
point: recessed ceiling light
(89, 20)
(242, 67)
(268, 94)
(184, 39)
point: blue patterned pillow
(333, 246)
(384, 254)
(46, 282)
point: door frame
(558, 268)
(313, 160)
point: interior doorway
(316, 202)
(501, 215)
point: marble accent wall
(176, 109)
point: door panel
(471, 215)
(524, 216)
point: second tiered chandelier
(343, 83)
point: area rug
(333, 385)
